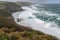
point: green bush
(3, 36)
(13, 37)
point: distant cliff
(9, 7)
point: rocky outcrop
(9, 7)
(12, 7)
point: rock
(12, 7)
(9, 7)
(20, 19)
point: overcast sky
(37, 1)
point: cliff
(9, 7)
(9, 30)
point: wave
(30, 19)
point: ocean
(45, 18)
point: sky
(38, 1)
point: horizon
(38, 1)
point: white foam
(37, 24)
(58, 17)
(32, 6)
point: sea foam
(35, 23)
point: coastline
(37, 26)
(14, 31)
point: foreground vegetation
(9, 30)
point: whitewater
(38, 20)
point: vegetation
(9, 30)
(3, 36)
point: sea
(40, 17)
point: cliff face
(12, 7)
(9, 7)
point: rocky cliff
(9, 30)
(9, 7)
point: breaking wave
(41, 19)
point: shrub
(3, 36)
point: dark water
(50, 12)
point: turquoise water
(41, 18)
(54, 15)
(49, 13)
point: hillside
(9, 30)
(9, 7)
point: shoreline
(40, 28)
(9, 28)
